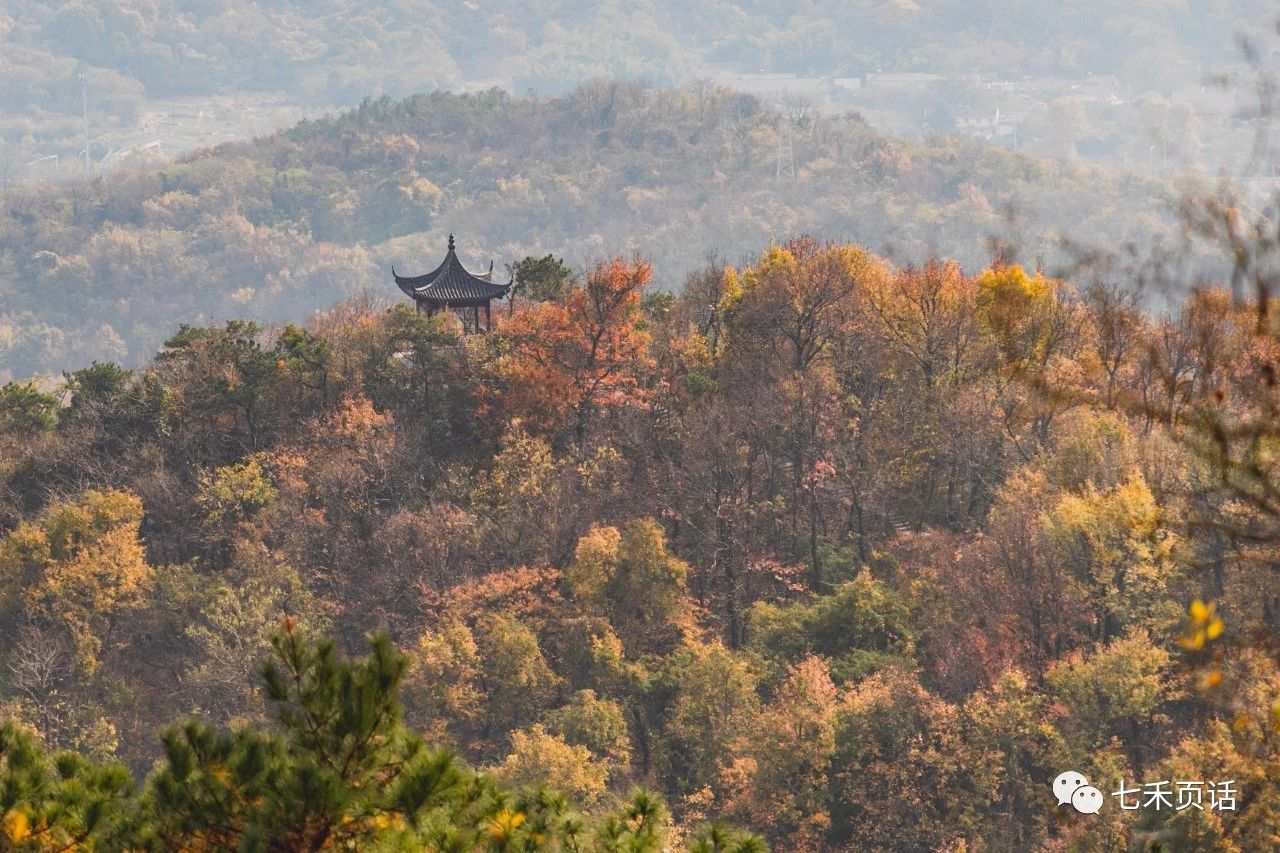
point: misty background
(669, 129)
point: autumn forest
(834, 426)
(815, 552)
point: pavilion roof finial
(450, 242)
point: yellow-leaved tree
(633, 579)
(540, 757)
(79, 566)
(1118, 542)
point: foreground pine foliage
(338, 770)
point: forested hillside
(276, 228)
(852, 554)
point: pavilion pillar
(488, 317)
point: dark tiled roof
(450, 284)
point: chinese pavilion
(449, 286)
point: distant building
(998, 127)
(450, 287)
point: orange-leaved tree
(587, 351)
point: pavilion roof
(452, 285)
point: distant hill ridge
(281, 226)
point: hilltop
(278, 227)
